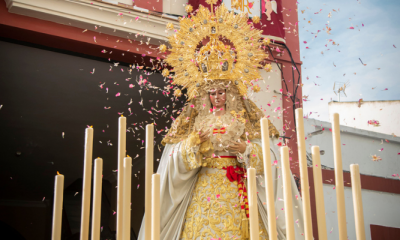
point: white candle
(319, 193)
(287, 193)
(155, 207)
(357, 201)
(126, 225)
(252, 196)
(87, 183)
(96, 208)
(337, 156)
(149, 172)
(57, 207)
(121, 156)
(305, 192)
(268, 179)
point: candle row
(152, 191)
(123, 194)
(319, 197)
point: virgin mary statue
(217, 136)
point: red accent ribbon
(238, 174)
(221, 130)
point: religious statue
(217, 136)
(270, 6)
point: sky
(375, 40)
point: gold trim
(220, 162)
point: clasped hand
(204, 136)
(237, 147)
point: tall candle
(96, 208)
(155, 207)
(87, 183)
(305, 192)
(319, 193)
(57, 207)
(269, 187)
(149, 172)
(337, 156)
(253, 210)
(357, 201)
(121, 156)
(126, 225)
(287, 193)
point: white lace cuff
(245, 157)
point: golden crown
(233, 53)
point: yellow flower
(267, 41)
(177, 93)
(238, 115)
(256, 19)
(211, 2)
(376, 158)
(165, 72)
(162, 48)
(188, 8)
(268, 67)
(256, 88)
(170, 26)
(235, 5)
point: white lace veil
(203, 103)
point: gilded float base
(214, 211)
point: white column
(339, 185)
(305, 192)
(252, 196)
(269, 184)
(357, 201)
(121, 156)
(87, 184)
(96, 208)
(57, 207)
(319, 193)
(155, 207)
(287, 193)
(126, 225)
(149, 172)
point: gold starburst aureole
(165, 72)
(170, 26)
(189, 8)
(242, 47)
(256, 19)
(162, 48)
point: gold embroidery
(219, 162)
(256, 159)
(214, 210)
(206, 146)
(261, 227)
(191, 159)
(183, 125)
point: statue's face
(218, 98)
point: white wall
(379, 209)
(174, 6)
(271, 81)
(357, 147)
(386, 112)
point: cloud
(373, 44)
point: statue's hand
(204, 136)
(237, 147)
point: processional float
(247, 40)
(152, 191)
